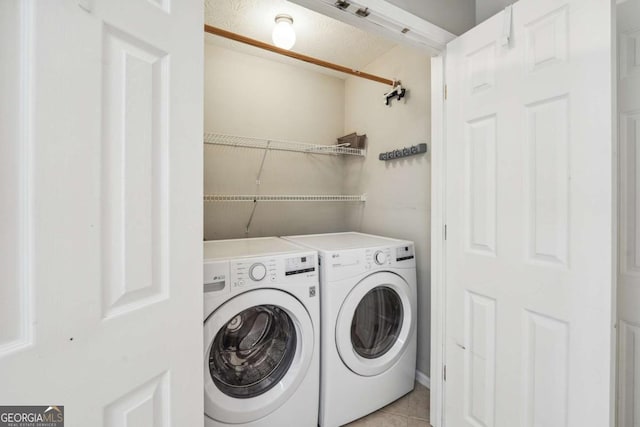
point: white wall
(398, 191)
(252, 96)
(485, 9)
(456, 16)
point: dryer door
(375, 323)
(258, 348)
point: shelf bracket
(258, 182)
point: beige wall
(398, 191)
(252, 96)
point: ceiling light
(283, 35)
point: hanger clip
(397, 92)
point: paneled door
(628, 28)
(530, 217)
(100, 209)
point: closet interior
(273, 162)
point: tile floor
(412, 410)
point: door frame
(438, 237)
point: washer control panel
(404, 253)
(257, 271)
(299, 265)
(246, 272)
(269, 271)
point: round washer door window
(375, 322)
(253, 351)
(258, 347)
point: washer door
(258, 347)
(374, 323)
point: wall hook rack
(403, 152)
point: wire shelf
(271, 144)
(283, 198)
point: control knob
(380, 258)
(257, 272)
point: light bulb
(283, 35)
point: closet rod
(266, 46)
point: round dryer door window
(253, 351)
(375, 322)
(258, 347)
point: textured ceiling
(317, 35)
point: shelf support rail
(298, 147)
(258, 182)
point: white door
(530, 219)
(100, 211)
(628, 27)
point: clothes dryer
(368, 322)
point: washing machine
(261, 333)
(368, 322)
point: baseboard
(421, 378)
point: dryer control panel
(351, 262)
(378, 257)
(388, 256)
